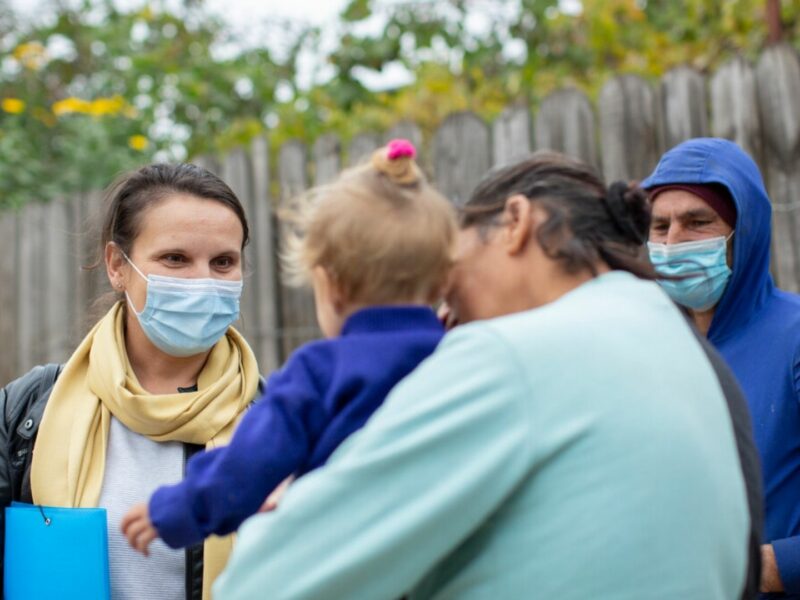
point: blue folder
(56, 553)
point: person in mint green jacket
(569, 440)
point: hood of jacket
(713, 160)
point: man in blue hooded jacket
(711, 231)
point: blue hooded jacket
(756, 327)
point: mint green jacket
(581, 450)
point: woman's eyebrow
(229, 252)
(179, 250)
(170, 250)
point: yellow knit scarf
(98, 382)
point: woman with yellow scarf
(162, 375)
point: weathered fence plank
(327, 159)
(8, 297)
(778, 78)
(684, 108)
(264, 245)
(361, 147)
(78, 317)
(31, 290)
(83, 225)
(511, 135)
(94, 279)
(58, 309)
(734, 106)
(209, 163)
(407, 131)
(236, 173)
(298, 316)
(50, 301)
(629, 128)
(566, 123)
(460, 155)
(292, 170)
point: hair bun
(629, 209)
(396, 161)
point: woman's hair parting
(132, 194)
(587, 222)
(380, 231)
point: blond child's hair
(380, 231)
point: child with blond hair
(376, 245)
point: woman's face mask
(185, 317)
(701, 269)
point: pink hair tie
(401, 148)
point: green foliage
(102, 89)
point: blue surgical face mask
(184, 317)
(701, 266)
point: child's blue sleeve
(226, 485)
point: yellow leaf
(106, 106)
(13, 106)
(138, 142)
(32, 55)
(71, 105)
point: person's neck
(156, 371)
(702, 320)
(560, 283)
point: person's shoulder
(497, 337)
(785, 307)
(18, 396)
(525, 330)
(317, 352)
(788, 301)
(313, 361)
(781, 314)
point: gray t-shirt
(135, 467)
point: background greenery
(98, 90)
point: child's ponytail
(380, 231)
(396, 161)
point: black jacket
(748, 457)
(22, 404)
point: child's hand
(271, 503)
(136, 526)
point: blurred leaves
(99, 89)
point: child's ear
(338, 298)
(331, 290)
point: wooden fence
(45, 295)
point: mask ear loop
(142, 275)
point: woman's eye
(223, 262)
(174, 258)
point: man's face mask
(701, 267)
(184, 317)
